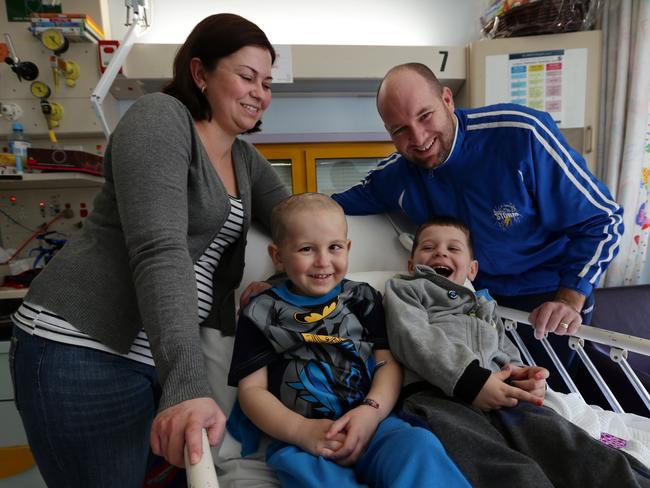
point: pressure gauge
(40, 89)
(54, 40)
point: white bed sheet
(633, 429)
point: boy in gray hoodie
(465, 378)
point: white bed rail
(203, 473)
(618, 343)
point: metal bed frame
(619, 344)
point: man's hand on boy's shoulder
(496, 393)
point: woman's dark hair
(213, 38)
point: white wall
(288, 115)
(316, 119)
(364, 22)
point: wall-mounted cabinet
(558, 73)
(317, 70)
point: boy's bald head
(289, 207)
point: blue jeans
(87, 414)
(398, 456)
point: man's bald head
(395, 72)
(418, 113)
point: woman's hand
(181, 424)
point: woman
(171, 218)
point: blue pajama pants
(398, 456)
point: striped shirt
(36, 320)
(207, 263)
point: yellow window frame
(303, 157)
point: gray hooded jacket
(443, 332)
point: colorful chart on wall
(19, 10)
(536, 81)
(553, 81)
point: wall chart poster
(552, 80)
(536, 81)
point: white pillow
(376, 279)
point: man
(544, 226)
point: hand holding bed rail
(619, 345)
(589, 333)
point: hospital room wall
(320, 116)
(423, 22)
(368, 22)
(341, 22)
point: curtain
(624, 140)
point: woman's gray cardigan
(132, 265)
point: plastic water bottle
(18, 144)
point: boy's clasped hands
(511, 385)
(343, 440)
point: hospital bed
(377, 254)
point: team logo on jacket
(505, 215)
